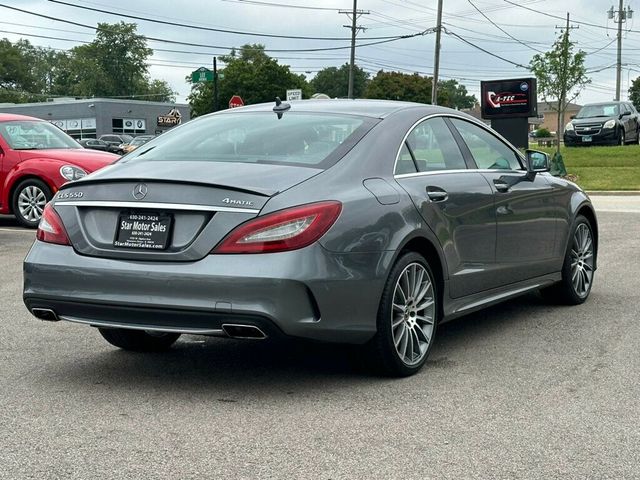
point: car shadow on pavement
(227, 366)
(8, 221)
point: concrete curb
(611, 193)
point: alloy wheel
(413, 313)
(31, 202)
(582, 260)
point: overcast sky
(321, 18)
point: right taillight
(281, 231)
(51, 229)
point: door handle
(501, 186)
(436, 194)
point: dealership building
(90, 118)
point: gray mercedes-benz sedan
(364, 222)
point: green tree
(334, 81)
(114, 64)
(118, 56)
(399, 86)
(634, 93)
(452, 94)
(25, 71)
(250, 73)
(561, 77)
(416, 88)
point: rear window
(312, 140)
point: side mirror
(572, 117)
(537, 161)
(624, 114)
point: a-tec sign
(509, 98)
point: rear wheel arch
(428, 250)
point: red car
(36, 158)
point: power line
(209, 29)
(562, 18)
(282, 5)
(500, 38)
(189, 44)
(449, 32)
(502, 29)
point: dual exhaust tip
(231, 330)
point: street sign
(202, 75)
(236, 101)
(295, 94)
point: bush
(542, 133)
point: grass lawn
(602, 168)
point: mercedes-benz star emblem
(140, 191)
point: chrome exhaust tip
(45, 314)
(234, 330)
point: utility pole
(562, 100)
(355, 14)
(436, 57)
(620, 16)
(215, 84)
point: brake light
(281, 231)
(50, 228)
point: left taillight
(281, 231)
(51, 229)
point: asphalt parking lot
(522, 390)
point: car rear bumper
(309, 293)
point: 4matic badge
(241, 203)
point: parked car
(36, 159)
(115, 142)
(364, 222)
(136, 142)
(609, 123)
(94, 144)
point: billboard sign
(509, 98)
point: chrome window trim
(454, 171)
(155, 205)
(460, 117)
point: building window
(129, 125)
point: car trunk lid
(166, 213)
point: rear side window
(301, 139)
(432, 147)
(488, 151)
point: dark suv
(610, 123)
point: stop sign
(236, 101)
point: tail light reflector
(288, 229)
(51, 229)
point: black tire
(621, 140)
(139, 340)
(384, 354)
(564, 292)
(32, 188)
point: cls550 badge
(66, 195)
